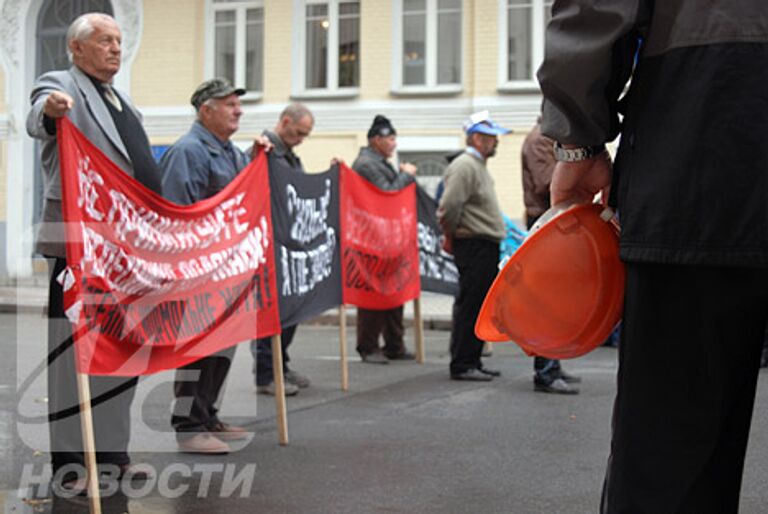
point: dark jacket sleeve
(589, 55)
(184, 174)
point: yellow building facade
(425, 64)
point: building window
(431, 166)
(428, 36)
(237, 43)
(330, 48)
(431, 155)
(522, 26)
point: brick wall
(375, 49)
(278, 44)
(169, 63)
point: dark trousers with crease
(197, 389)
(111, 397)
(387, 323)
(261, 349)
(688, 366)
(477, 261)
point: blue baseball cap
(481, 123)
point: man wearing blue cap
(471, 219)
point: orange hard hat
(561, 293)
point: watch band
(580, 153)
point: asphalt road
(404, 439)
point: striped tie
(110, 95)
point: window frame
(430, 87)
(240, 7)
(332, 89)
(538, 29)
(426, 144)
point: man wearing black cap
(470, 216)
(372, 164)
(198, 166)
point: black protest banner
(436, 267)
(305, 216)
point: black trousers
(387, 323)
(477, 261)
(111, 397)
(197, 388)
(261, 349)
(688, 364)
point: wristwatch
(580, 153)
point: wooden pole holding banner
(277, 372)
(89, 444)
(418, 329)
(343, 348)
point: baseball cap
(214, 88)
(481, 123)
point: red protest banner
(152, 285)
(380, 255)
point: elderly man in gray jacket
(373, 165)
(108, 118)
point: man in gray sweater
(373, 165)
(471, 219)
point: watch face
(580, 153)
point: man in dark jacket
(690, 184)
(372, 164)
(199, 165)
(294, 125)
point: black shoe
(557, 386)
(136, 472)
(374, 358)
(489, 371)
(569, 379)
(405, 356)
(472, 375)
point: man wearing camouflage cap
(198, 166)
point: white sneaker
(296, 378)
(290, 389)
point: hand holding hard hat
(561, 293)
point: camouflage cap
(214, 88)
